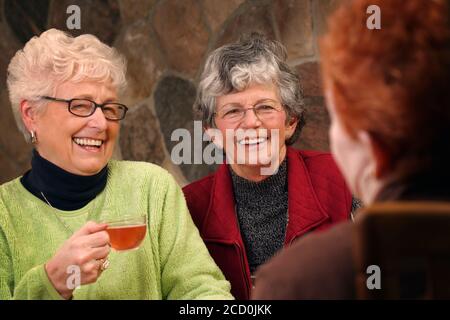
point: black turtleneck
(262, 212)
(64, 190)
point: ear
(291, 125)
(215, 135)
(382, 160)
(28, 115)
(209, 132)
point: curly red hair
(393, 82)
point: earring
(33, 137)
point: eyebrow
(89, 97)
(257, 102)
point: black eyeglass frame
(101, 106)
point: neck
(62, 189)
(371, 190)
(257, 173)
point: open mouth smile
(88, 143)
(252, 141)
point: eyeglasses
(263, 111)
(86, 108)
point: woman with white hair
(64, 93)
(268, 194)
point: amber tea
(127, 233)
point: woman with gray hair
(267, 194)
(58, 221)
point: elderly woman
(268, 194)
(65, 92)
(389, 102)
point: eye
(113, 110)
(80, 105)
(232, 112)
(265, 108)
(109, 110)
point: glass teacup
(127, 232)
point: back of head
(393, 82)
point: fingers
(100, 253)
(90, 228)
(91, 271)
(85, 255)
(95, 240)
(90, 247)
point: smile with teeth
(252, 141)
(85, 142)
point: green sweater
(172, 262)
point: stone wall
(166, 43)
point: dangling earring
(33, 137)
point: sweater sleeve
(34, 285)
(187, 269)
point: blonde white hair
(54, 58)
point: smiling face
(78, 145)
(260, 138)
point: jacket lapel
(304, 209)
(221, 222)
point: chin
(90, 169)
(256, 162)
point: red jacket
(317, 198)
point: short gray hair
(253, 59)
(54, 58)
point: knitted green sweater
(172, 262)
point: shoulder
(7, 186)
(325, 259)
(141, 167)
(323, 171)
(135, 171)
(327, 181)
(318, 160)
(9, 190)
(199, 187)
(139, 179)
(317, 163)
(198, 198)
(11, 196)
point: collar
(272, 185)
(304, 209)
(64, 190)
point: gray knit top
(262, 212)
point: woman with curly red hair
(389, 101)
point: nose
(98, 120)
(250, 119)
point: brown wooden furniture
(410, 242)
